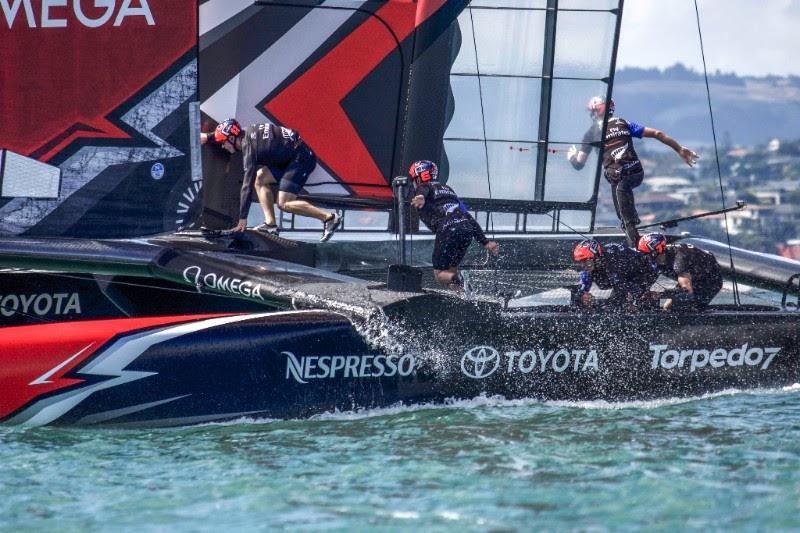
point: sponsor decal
(188, 207)
(157, 171)
(59, 303)
(36, 368)
(696, 358)
(305, 368)
(619, 152)
(58, 14)
(483, 361)
(211, 280)
(480, 362)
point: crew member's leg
(448, 252)
(626, 208)
(614, 198)
(265, 181)
(288, 201)
(293, 180)
(704, 292)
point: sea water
(731, 460)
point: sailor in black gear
(289, 160)
(614, 267)
(441, 210)
(696, 271)
(621, 164)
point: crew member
(444, 214)
(288, 159)
(697, 272)
(621, 165)
(614, 267)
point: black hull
(181, 330)
(295, 364)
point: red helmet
(587, 249)
(424, 171)
(228, 130)
(652, 243)
(597, 107)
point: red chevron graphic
(58, 84)
(312, 103)
(35, 359)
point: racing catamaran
(102, 325)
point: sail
(521, 78)
(96, 138)
(494, 90)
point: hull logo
(483, 361)
(211, 280)
(305, 368)
(694, 359)
(42, 304)
(480, 362)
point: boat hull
(178, 370)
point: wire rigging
(736, 298)
(483, 122)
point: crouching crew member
(614, 267)
(697, 272)
(444, 214)
(289, 160)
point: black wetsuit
(622, 168)
(628, 273)
(445, 215)
(281, 150)
(702, 268)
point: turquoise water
(729, 461)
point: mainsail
(521, 79)
(495, 90)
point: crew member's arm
(477, 232)
(685, 282)
(205, 137)
(683, 295)
(250, 168)
(686, 154)
(584, 286)
(578, 156)
(421, 194)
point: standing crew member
(622, 167)
(289, 160)
(614, 267)
(697, 271)
(444, 214)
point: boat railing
(791, 287)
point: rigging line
(23, 313)
(560, 222)
(736, 298)
(483, 118)
(144, 286)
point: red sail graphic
(60, 78)
(312, 103)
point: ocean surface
(728, 461)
